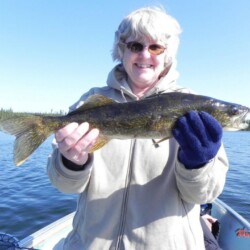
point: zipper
(125, 198)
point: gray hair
(149, 22)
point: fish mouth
(238, 122)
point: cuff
(68, 173)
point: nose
(145, 52)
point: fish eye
(235, 110)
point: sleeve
(205, 184)
(64, 179)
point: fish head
(231, 116)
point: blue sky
(53, 51)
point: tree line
(8, 113)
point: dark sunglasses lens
(156, 49)
(135, 47)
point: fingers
(64, 132)
(213, 127)
(199, 136)
(190, 131)
(196, 128)
(86, 142)
(68, 136)
(74, 141)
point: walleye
(151, 118)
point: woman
(133, 195)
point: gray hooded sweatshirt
(133, 195)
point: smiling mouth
(143, 66)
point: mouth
(143, 66)
(238, 122)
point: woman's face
(143, 68)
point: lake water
(29, 202)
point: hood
(117, 79)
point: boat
(234, 230)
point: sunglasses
(153, 49)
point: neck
(140, 91)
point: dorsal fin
(94, 101)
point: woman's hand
(74, 142)
(199, 135)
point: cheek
(160, 62)
(124, 58)
(127, 60)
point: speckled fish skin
(150, 118)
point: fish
(153, 118)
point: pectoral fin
(101, 141)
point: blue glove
(199, 136)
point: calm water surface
(29, 202)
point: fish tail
(30, 132)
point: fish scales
(153, 117)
